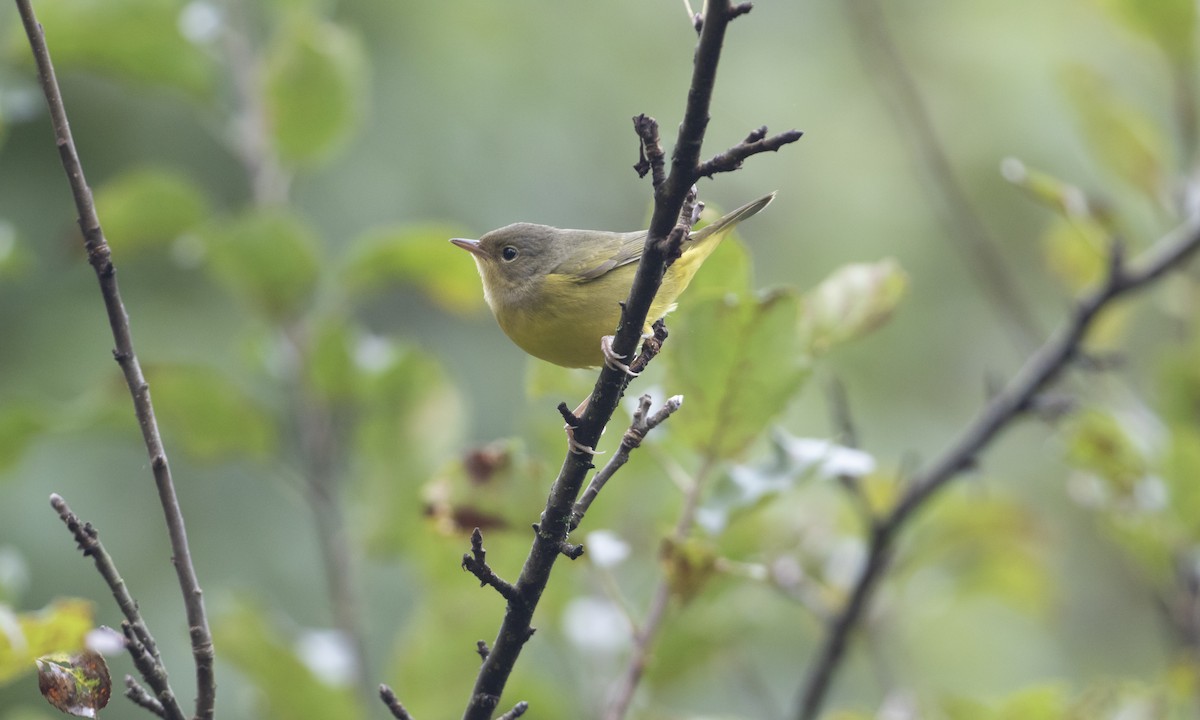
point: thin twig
(138, 640)
(476, 564)
(141, 697)
(1017, 398)
(755, 143)
(99, 255)
(642, 424)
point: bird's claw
(577, 447)
(613, 360)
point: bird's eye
(509, 253)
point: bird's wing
(615, 250)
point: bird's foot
(613, 360)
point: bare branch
(99, 255)
(755, 143)
(138, 640)
(1019, 397)
(642, 424)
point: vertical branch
(551, 532)
(965, 229)
(99, 255)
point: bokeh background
(372, 131)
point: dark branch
(552, 530)
(99, 255)
(393, 703)
(651, 158)
(1016, 399)
(755, 143)
(476, 564)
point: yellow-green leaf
(1170, 24)
(59, 628)
(148, 206)
(1119, 134)
(737, 363)
(20, 424)
(314, 88)
(136, 40)
(287, 688)
(210, 417)
(268, 258)
(420, 256)
(851, 302)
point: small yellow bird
(557, 293)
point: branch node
(517, 711)
(570, 418)
(476, 564)
(651, 158)
(571, 551)
(740, 9)
(482, 649)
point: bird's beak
(471, 246)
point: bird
(557, 293)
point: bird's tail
(727, 221)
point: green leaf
(210, 417)
(737, 363)
(148, 207)
(417, 255)
(688, 566)
(332, 372)
(1098, 443)
(1040, 702)
(851, 302)
(991, 547)
(314, 81)
(60, 627)
(287, 688)
(20, 424)
(1119, 135)
(1180, 468)
(1170, 24)
(268, 258)
(137, 40)
(410, 421)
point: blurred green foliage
(278, 181)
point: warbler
(557, 293)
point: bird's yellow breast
(561, 319)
